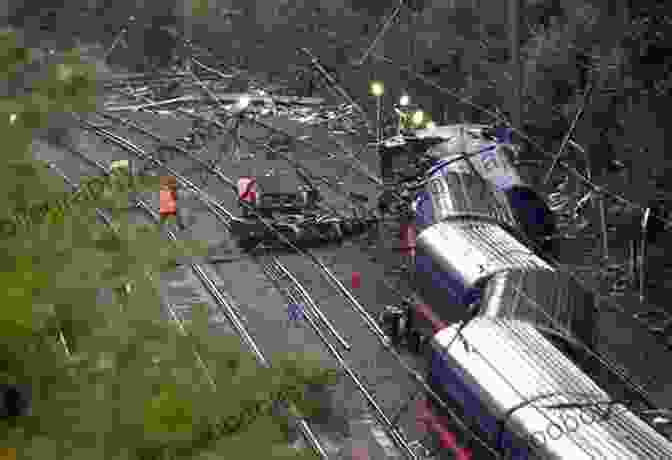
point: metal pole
(516, 65)
(388, 23)
(603, 224)
(379, 129)
(641, 265)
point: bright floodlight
(404, 100)
(12, 118)
(430, 125)
(244, 102)
(377, 88)
(417, 118)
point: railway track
(204, 277)
(302, 282)
(398, 437)
(200, 285)
(654, 320)
(308, 281)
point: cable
(288, 135)
(572, 274)
(501, 119)
(385, 341)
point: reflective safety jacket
(167, 202)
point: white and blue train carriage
(467, 253)
(491, 158)
(529, 401)
(551, 300)
(465, 232)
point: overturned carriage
(474, 149)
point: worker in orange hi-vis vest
(169, 196)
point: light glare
(244, 102)
(377, 88)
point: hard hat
(117, 164)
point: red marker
(447, 440)
(356, 280)
(463, 454)
(407, 237)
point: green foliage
(111, 378)
(200, 7)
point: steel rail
(171, 309)
(229, 310)
(405, 298)
(610, 365)
(302, 170)
(229, 217)
(309, 144)
(355, 165)
(371, 322)
(214, 97)
(216, 208)
(373, 325)
(387, 343)
(212, 168)
(466, 100)
(615, 306)
(398, 438)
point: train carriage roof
(520, 377)
(550, 299)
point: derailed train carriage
(529, 401)
(522, 361)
